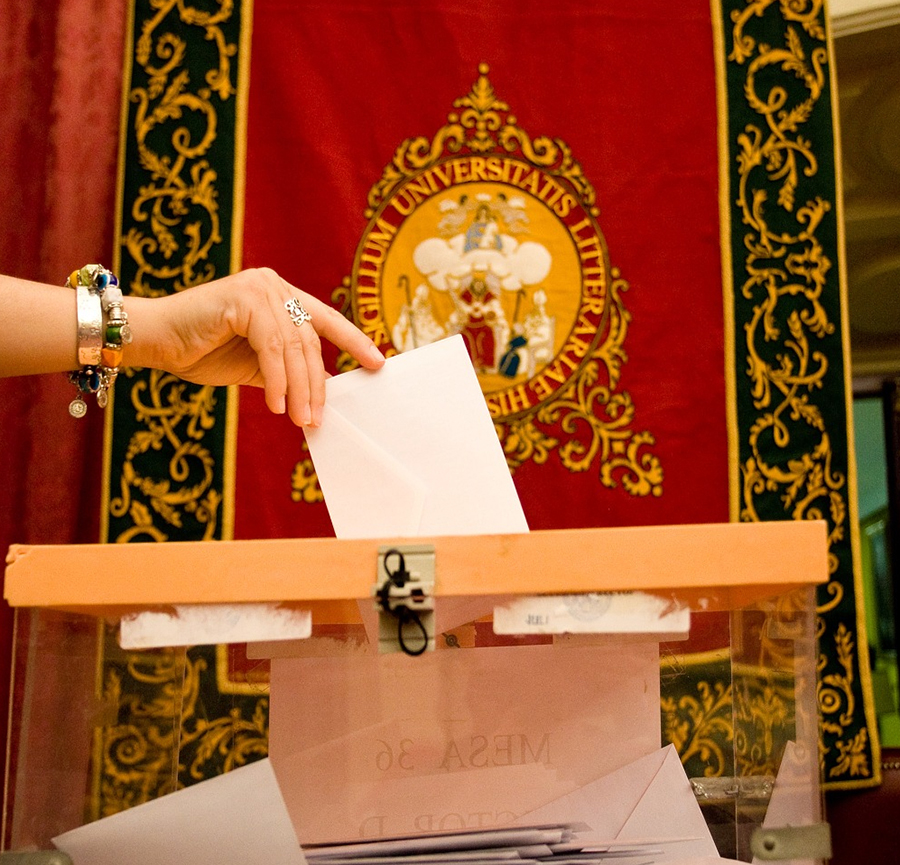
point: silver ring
(298, 314)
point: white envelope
(648, 800)
(236, 817)
(411, 450)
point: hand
(236, 330)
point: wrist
(146, 317)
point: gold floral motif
(137, 756)
(806, 13)
(485, 116)
(524, 441)
(178, 204)
(698, 724)
(836, 689)
(165, 741)
(623, 455)
(167, 482)
(590, 404)
(763, 721)
(175, 418)
(481, 111)
(171, 225)
(727, 719)
(791, 461)
(853, 760)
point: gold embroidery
(699, 725)
(166, 741)
(304, 484)
(789, 466)
(167, 475)
(168, 481)
(175, 420)
(179, 203)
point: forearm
(39, 328)
(241, 329)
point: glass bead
(89, 380)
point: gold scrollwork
(166, 741)
(175, 418)
(167, 479)
(304, 483)
(791, 461)
(698, 724)
(183, 70)
(763, 717)
(492, 128)
(725, 717)
(806, 13)
(836, 698)
(175, 124)
(607, 417)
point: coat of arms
(486, 232)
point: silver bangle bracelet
(90, 325)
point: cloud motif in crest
(445, 263)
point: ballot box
(612, 695)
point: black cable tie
(404, 615)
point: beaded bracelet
(100, 344)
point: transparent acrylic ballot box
(592, 695)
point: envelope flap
(605, 804)
(669, 809)
(371, 493)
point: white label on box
(210, 624)
(592, 613)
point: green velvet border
(790, 382)
(168, 448)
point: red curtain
(60, 76)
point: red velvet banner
(626, 94)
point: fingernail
(306, 417)
(375, 354)
(280, 406)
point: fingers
(332, 326)
(305, 372)
(290, 352)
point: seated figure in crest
(479, 318)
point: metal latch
(404, 598)
(792, 842)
